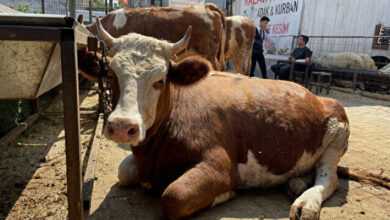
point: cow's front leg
(198, 188)
(308, 205)
(128, 171)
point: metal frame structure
(69, 35)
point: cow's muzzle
(122, 130)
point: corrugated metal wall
(344, 18)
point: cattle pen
(46, 48)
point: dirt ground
(33, 183)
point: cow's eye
(159, 84)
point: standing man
(257, 52)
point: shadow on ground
(137, 203)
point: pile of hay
(347, 60)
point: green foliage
(99, 5)
(25, 8)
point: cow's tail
(364, 176)
(221, 49)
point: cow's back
(170, 23)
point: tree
(25, 8)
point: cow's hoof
(295, 187)
(303, 212)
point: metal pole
(72, 8)
(70, 86)
(106, 6)
(43, 6)
(111, 5)
(90, 11)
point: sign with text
(285, 19)
(185, 3)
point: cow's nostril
(133, 130)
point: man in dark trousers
(301, 52)
(257, 52)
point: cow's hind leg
(308, 205)
(198, 188)
(128, 171)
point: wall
(344, 18)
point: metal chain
(105, 95)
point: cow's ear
(189, 70)
(88, 64)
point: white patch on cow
(120, 18)
(202, 10)
(227, 74)
(223, 198)
(128, 171)
(292, 91)
(252, 174)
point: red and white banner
(185, 3)
(285, 19)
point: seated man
(302, 52)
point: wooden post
(291, 73)
(318, 82)
(354, 82)
(89, 175)
(35, 105)
(307, 70)
(71, 122)
(14, 133)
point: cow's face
(141, 66)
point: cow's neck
(145, 152)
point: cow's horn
(103, 35)
(181, 44)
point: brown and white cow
(199, 135)
(240, 34)
(170, 23)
